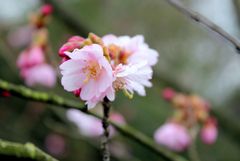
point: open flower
(42, 74)
(133, 77)
(174, 136)
(133, 50)
(88, 70)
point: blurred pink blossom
(42, 74)
(88, 70)
(30, 57)
(173, 136)
(90, 126)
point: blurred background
(192, 59)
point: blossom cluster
(32, 62)
(191, 115)
(94, 68)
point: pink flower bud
(76, 39)
(209, 132)
(46, 9)
(65, 58)
(173, 136)
(69, 46)
(168, 94)
(77, 92)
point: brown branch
(105, 149)
(206, 22)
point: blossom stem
(104, 145)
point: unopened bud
(46, 9)
(76, 39)
(95, 39)
(168, 94)
(180, 100)
(77, 92)
(209, 131)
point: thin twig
(104, 145)
(27, 150)
(128, 131)
(206, 22)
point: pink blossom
(30, 57)
(209, 133)
(133, 77)
(90, 126)
(174, 136)
(88, 70)
(42, 74)
(138, 49)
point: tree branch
(105, 124)
(206, 22)
(27, 150)
(27, 93)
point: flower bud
(209, 132)
(77, 92)
(168, 94)
(46, 9)
(73, 43)
(180, 100)
(76, 39)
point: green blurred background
(192, 59)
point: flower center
(119, 55)
(119, 84)
(91, 70)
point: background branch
(130, 132)
(27, 150)
(206, 22)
